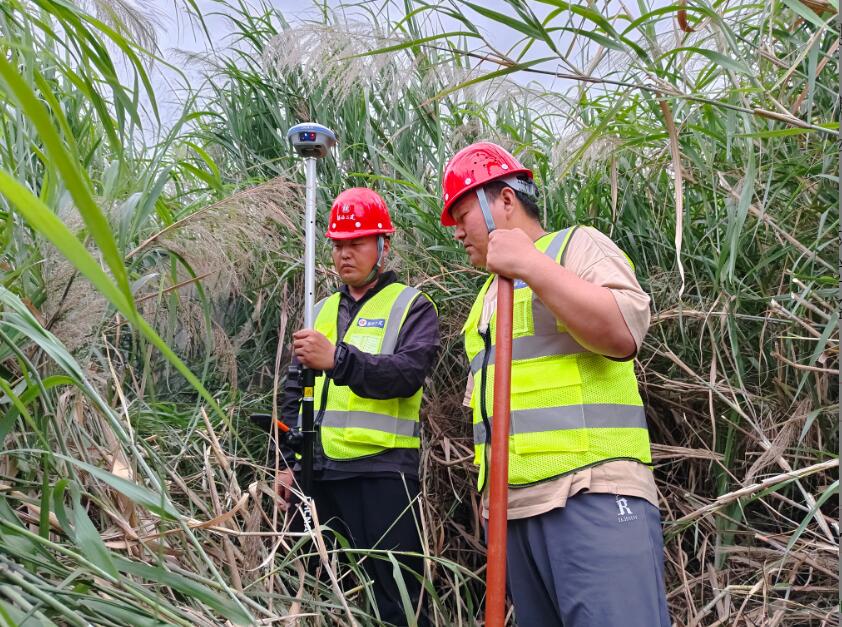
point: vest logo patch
(372, 322)
(519, 284)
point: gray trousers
(597, 562)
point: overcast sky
(175, 32)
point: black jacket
(373, 376)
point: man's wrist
(532, 266)
(340, 352)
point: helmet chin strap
(376, 269)
(486, 209)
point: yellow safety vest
(570, 408)
(352, 426)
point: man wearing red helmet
(584, 543)
(375, 341)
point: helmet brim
(358, 234)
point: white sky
(175, 32)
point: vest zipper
(483, 410)
(317, 423)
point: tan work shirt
(591, 256)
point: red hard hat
(473, 167)
(358, 212)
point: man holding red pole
(584, 541)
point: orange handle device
(495, 583)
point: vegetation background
(151, 277)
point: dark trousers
(597, 562)
(375, 513)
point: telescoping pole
(311, 142)
(495, 600)
(308, 376)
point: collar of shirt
(349, 308)
(387, 278)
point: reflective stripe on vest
(570, 408)
(352, 426)
(597, 416)
(366, 420)
(396, 316)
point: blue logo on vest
(519, 283)
(372, 322)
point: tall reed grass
(149, 290)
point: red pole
(495, 583)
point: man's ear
(507, 195)
(387, 244)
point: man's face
(471, 230)
(355, 258)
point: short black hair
(530, 203)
